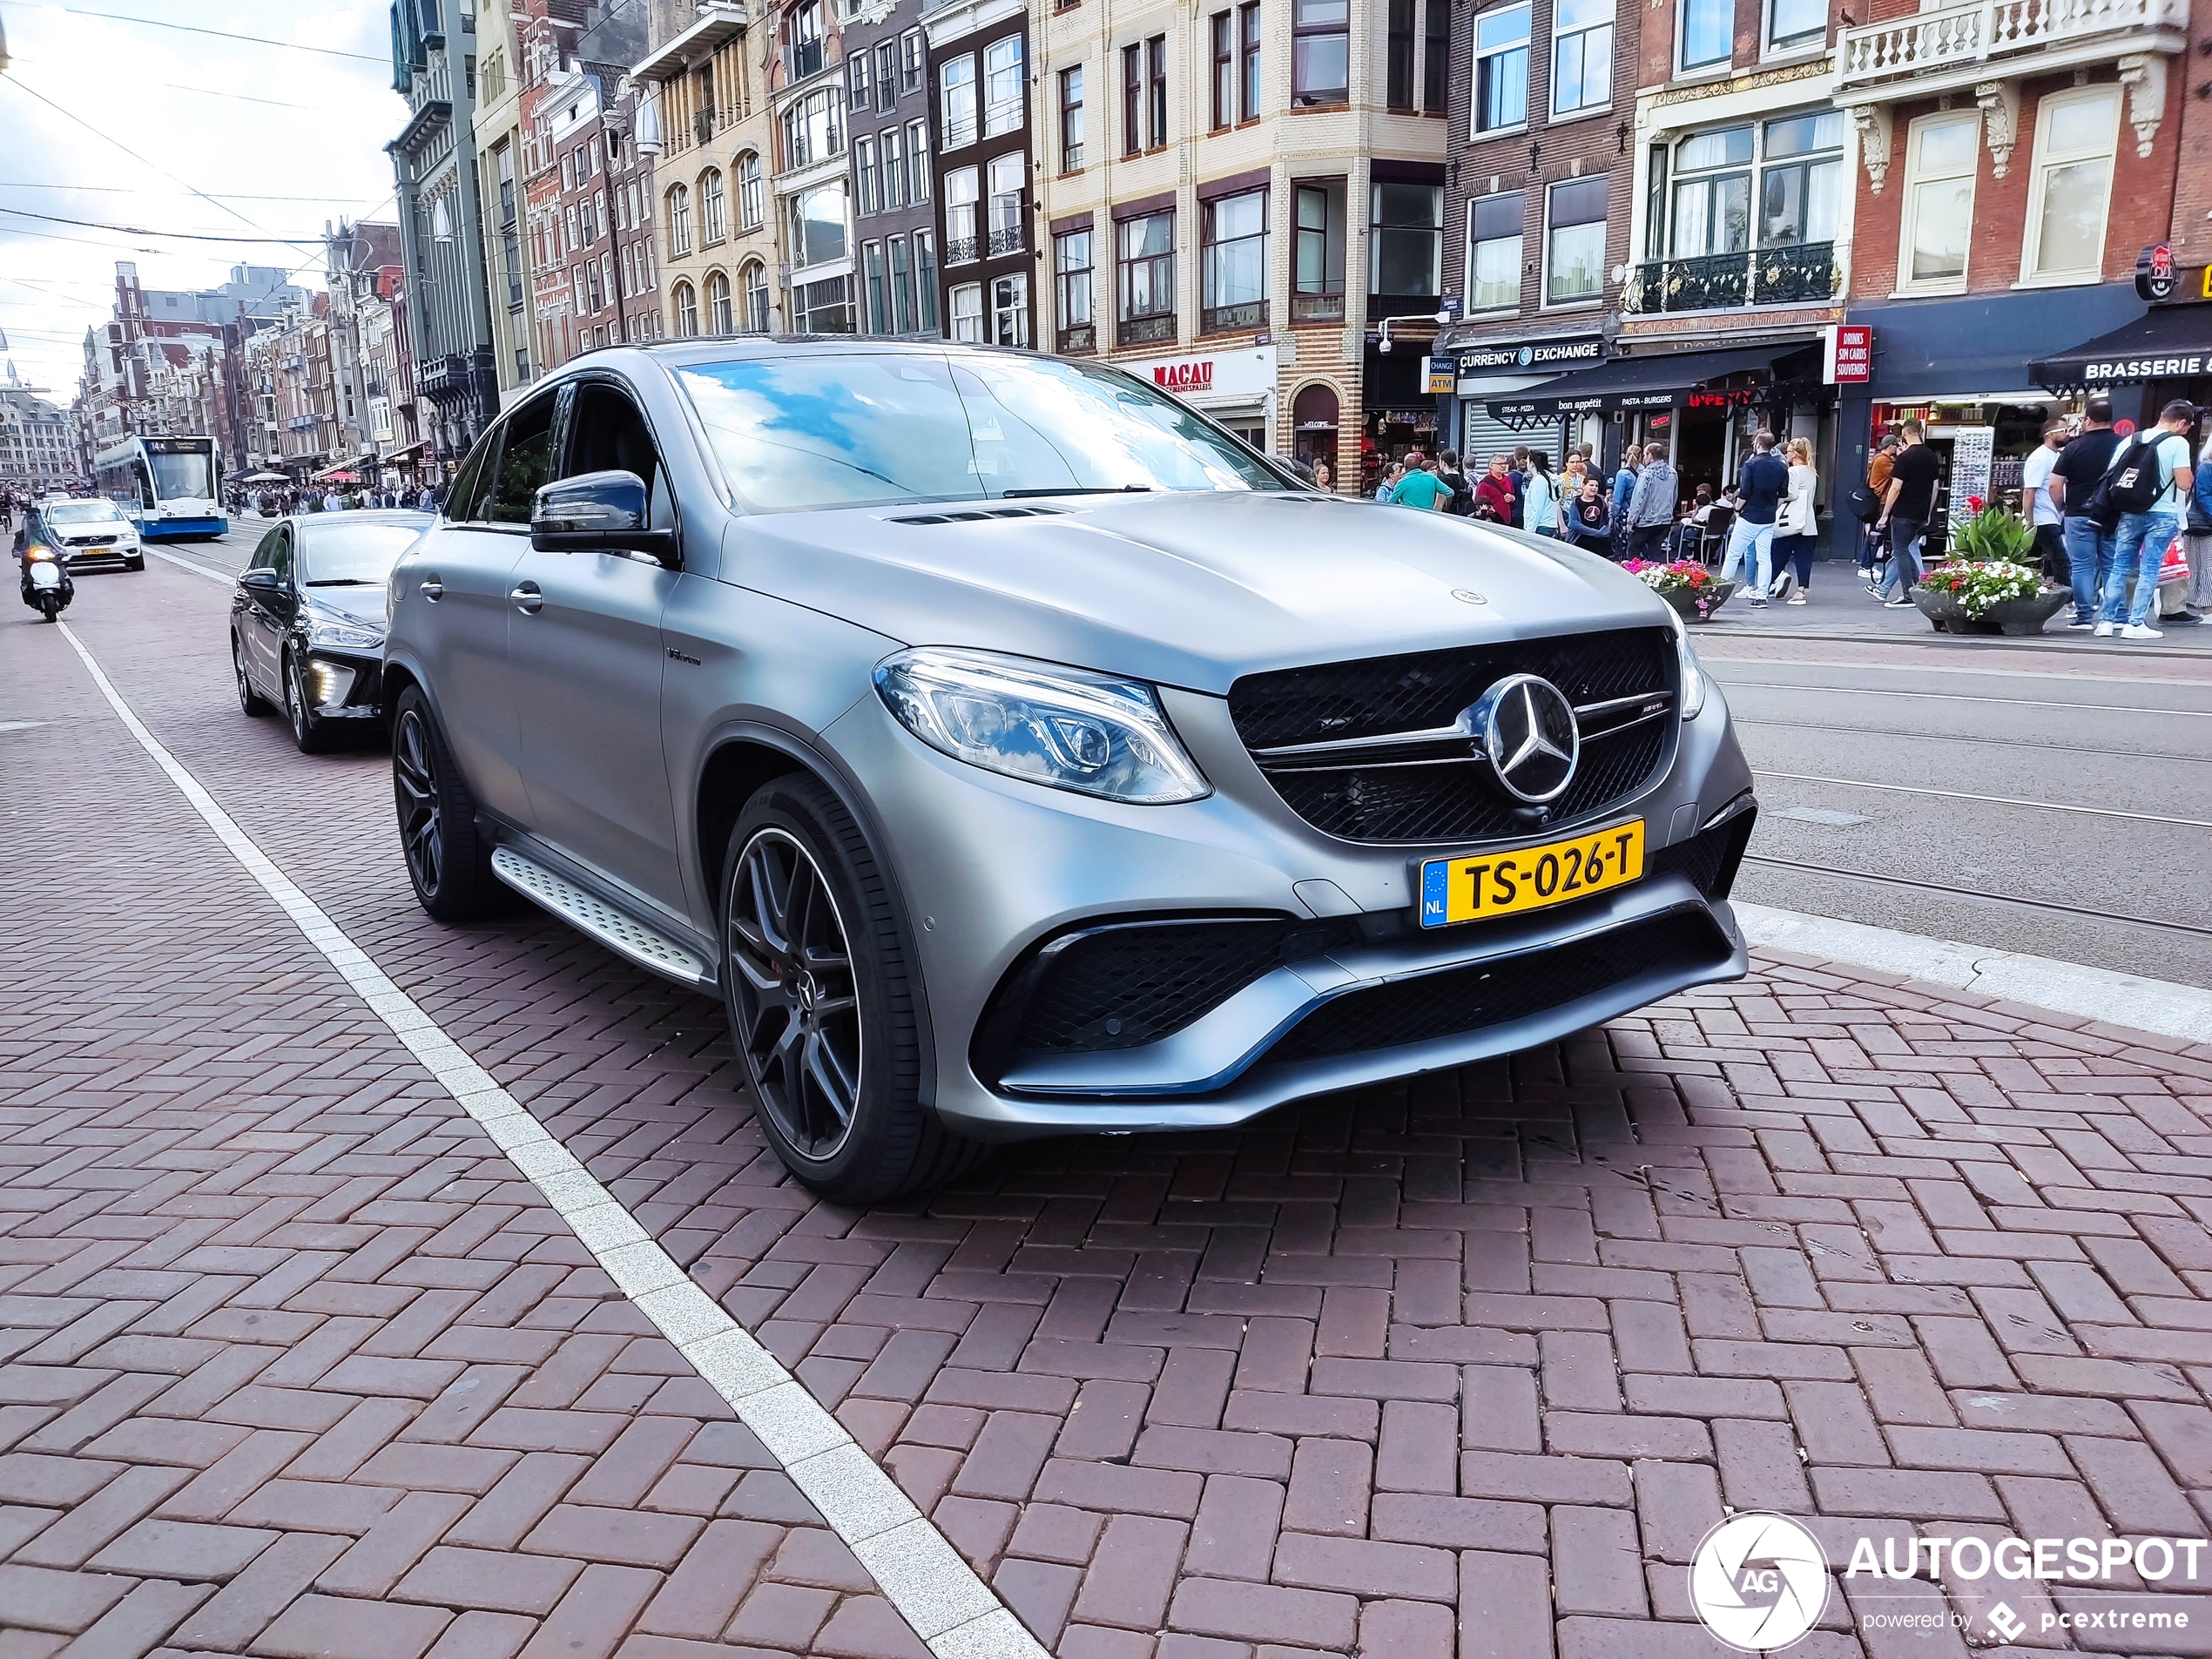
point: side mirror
(603, 512)
(264, 582)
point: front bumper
(107, 557)
(346, 684)
(994, 871)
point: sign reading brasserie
(2120, 371)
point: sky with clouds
(283, 139)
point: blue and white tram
(171, 488)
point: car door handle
(433, 589)
(527, 598)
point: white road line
(1714, 656)
(1957, 697)
(2183, 1011)
(225, 577)
(1993, 800)
(953, 1612)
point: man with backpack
(1448, 475)
(2149, 478)
(2073, 482)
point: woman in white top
(1795, 525)
(1539, 508)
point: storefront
(1401, 412)
(1487, 374)
(1235, 388)
(2148, 362)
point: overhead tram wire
(142, 230)
(140, 190)
(219, 34)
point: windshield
(353, 555)
(178, 476)
(80, 512)
(852, 430)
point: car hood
(362, 605)
(1186, 590)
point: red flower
(1974, 504)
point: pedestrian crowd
(314, 498)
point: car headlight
(1062, 728)
(1693, 676)
(326, 630)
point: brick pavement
(294, 1366)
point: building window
(1582, 54)
(1708, 32)
(956, 101)
(862, 95)
(824, 308)
(1132, 100)
(1795, 22)
(1318, 291)
(886, 75)
(893, 167)
(1071, 119)
(1801, 180)
(814, 130)
(680, 221)
(1436, 57)
(687, 311)
(1147, 278)
(803, 41)
(754, 280)
(902, 302)
(1155, 62)
(961, 244)
(1232, 259)
(1399, 56)
(1003, 86)
(2075, 135)
(718, 305)
(910, 62)
(917, 162)
(1321, 52)
(926, 281)
(749, 193)
(1010, 310)
(1501, 69)
(1940, 157)
(1006, 203)
(1224, 69)
(1405, 239)
(967, 312)
(1574, 241)
(872, 267)
(1072, 298)
(713, 211)
(1493, 252)
(863, 172)
(817, 227)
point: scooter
(46, 586)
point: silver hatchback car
(1017, 752)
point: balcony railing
(1221, 319)
(1141, 331)
(1957, 40)
(1081, 337)
(963, 250)
(1006, 240)
(1317, 307)
(1806, 273)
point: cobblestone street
(297, 1363)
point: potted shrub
(1694, 591)
(1987, 597)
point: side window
(525, 463)
(265, 555)
(280, 555)
(466, 482)
(607, 432)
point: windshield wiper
(1080, 490)
(343, 581)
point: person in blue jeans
(2139, 546)
(2073, 476)
(1764, 481)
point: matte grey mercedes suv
(1017, 752)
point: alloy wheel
(245, 697)
(295, 701)
(415, 784)
(796, 995)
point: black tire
(134, 565)
(313, 733)
(821, 997)
(448, 862)
(250, 701)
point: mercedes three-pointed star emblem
(1526, 728)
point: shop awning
(1659, 382)
(2166, 343)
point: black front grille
(1461, 1000)
(1452, 800)
(1709, 858)
(1124, 986)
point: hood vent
(969, 517)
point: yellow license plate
(1478, 885)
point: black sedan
(307, 619)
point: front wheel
(135, 564)
(448, 862)
(309, 730)
(823, 1004)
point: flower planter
(2018, 617)
(1685, 600)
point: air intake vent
(971, 517)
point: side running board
(586, 912)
